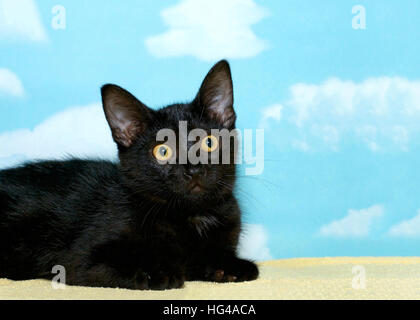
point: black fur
(133, 224)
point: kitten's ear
(125, 114)
(215, 97)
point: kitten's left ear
(126, 115)
(215, 97)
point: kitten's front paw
(141, 280)
(220, 276)
(236, 270)
(162, 280)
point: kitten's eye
(209, 143)
(162, 152)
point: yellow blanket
(308, 278)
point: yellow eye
(162, 152)
(209, 143)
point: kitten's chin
(195, 194)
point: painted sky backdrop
(340, 104)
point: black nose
(191, 172)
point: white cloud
(407, 228)
(273, 113)
(368, 135)
(328, 134)
(10, 83)
(382, 113)
(253, 243)
(301, 145)
(356, 224)
(209, 30)
(20, 19)
(78, 131)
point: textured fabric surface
(309, 278)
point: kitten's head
(163, 169)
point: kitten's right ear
(125, 114)
(215, 97)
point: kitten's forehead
(172, 115)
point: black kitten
(138, 224)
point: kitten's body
(133, 224)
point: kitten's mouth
(195, 187)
